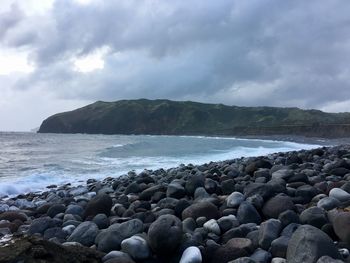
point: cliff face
(192, 118)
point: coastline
(219, 211)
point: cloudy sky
(59, 55)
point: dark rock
(233, 249)
(56, 232)
(268, 231)
(306, 193)
(193, 183)
(340, 171)
(175, 190)
(165, 234)
(101, 220)
(181, 206)
(149, 192)
(341, 226)
(227, 222)
(34, 249)
(262, 189)
(277, 205)
(247, 214)
(228, 186)
(132, 188)
(287, 217)
(261, 256)
(84, 234)
(206, 209)
(290, 229)
(75, 210)
(39, 225)
(56, 209)
(308, 244)
(13, 215)
(314, 216)
(110, 239)
(279, 247)
(100, 204)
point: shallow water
(30, 161)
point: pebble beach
(284, 207)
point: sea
(31, 161)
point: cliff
(192, 118)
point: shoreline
(217, 212)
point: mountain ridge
(167, 117)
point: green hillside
(192, 118)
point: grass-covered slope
(192, 118)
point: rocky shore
(284, 207)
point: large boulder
(165, 234)
(308, 244)
(234, 199)
(341, 226)
(84, 234)
(201, 209)
(193, 183)
(100, 204)
(339, 194)
(56, 209)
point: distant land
(166, 117)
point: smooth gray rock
(212, 226)
(191, 255)
(234, 199)
(84, 234)
(117, 257)
(136, 247)
(339, 194)
(328, 203)
(308, 244)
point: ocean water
(30, 162)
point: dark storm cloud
(282, 53)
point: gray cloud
(279, 53)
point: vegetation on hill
(192, 118)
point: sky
(58, 55)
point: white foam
(102, 167)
